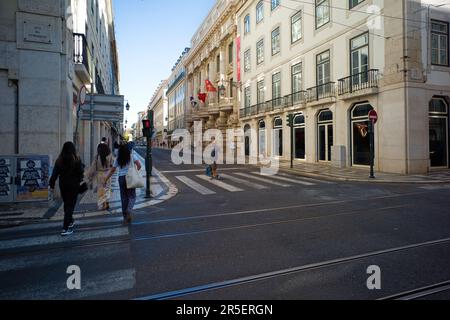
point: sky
(151, 36)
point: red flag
(202, 97)
(210, 87)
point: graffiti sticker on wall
(5, 176)
(34, 178)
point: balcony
(294, 99)
(321, 92)
(359, 84)
(82, 58)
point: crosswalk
(35, 260)
(234, 182)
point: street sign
(373, 116)
(82, 95)
(106, 108)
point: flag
(210, 87)
(202, 97)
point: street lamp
(127, 107)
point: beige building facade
(212, 58)
(160, 106)
(328, 63)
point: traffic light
(147, 128)
(290, 120)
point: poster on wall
(34, 178)
(5, 178)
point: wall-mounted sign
(37, 32)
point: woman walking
(124, 160)
(99, 170)
(69, 169)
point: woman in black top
(69, 169)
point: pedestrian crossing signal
(290, 120)
(147, 128)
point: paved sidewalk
(161, 190)
(328, 172)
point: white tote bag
(134, 179)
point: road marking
(263, 180)
(244, 182)
(101, 283)
(436, 187)
(200, 170)
(220, 184)
(296, 181)
(196, 186)
(285, 272)
(57, 239)
(306, 179)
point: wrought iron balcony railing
(323, 91)
(295, 99)
(360, 81)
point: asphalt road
(246, 237)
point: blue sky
(151, 36)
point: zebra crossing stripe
(304, 183)
(263, 180)
(244, 182)
(195, 186)
(306, 179)
(220, 184)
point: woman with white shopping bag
(128, 167)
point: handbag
(83, 187)
(133, 178)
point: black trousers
(70, 197)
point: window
(354, 3)
(360, 59)
(260, 92)
(439, 43)
(296, 27)
(260, 51)
(323, 68)
(218, 63)
(259, 11)
(296, 82)
(247, 24)
(360, 134)
(276, 87)
(300, 137)
(439, 133)
(276, 48)
(248, 97)
(278, 137)
(325, 135)
(322, 13)
(230, 52)
(247, 61)
(274, 4)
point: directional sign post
(373, 119)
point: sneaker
(67, 232)
(72, 225)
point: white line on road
(220, 184)
(244, 182)
(57, 239)
(306, 179)
(296, 181)
(263, 180)
(196, 186)
(200, 170)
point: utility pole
(148, 127)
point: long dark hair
(68, 157)
(124, 156)
(103, 152)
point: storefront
(439, 133)
(278, 137)
(360, 134)
(325, 135)
(300, 136)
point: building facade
(213, 58)
(328, 63)
(49, 50)
(178, 106)
(160, 106)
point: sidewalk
(161, 190)
(327, 172)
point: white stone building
(46, 56)
(329, 62)
(160, 106)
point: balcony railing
(275, 104)
(295, 99)
(326, 90)
(82, 55)
(360, 81)
(262, 107)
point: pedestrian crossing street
(235, 182)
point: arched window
(360, 134)
(299, 120)
(325, 135)
(300, 136)
(278, 137)
(262, 124)
(262, 138)
(439, 133)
